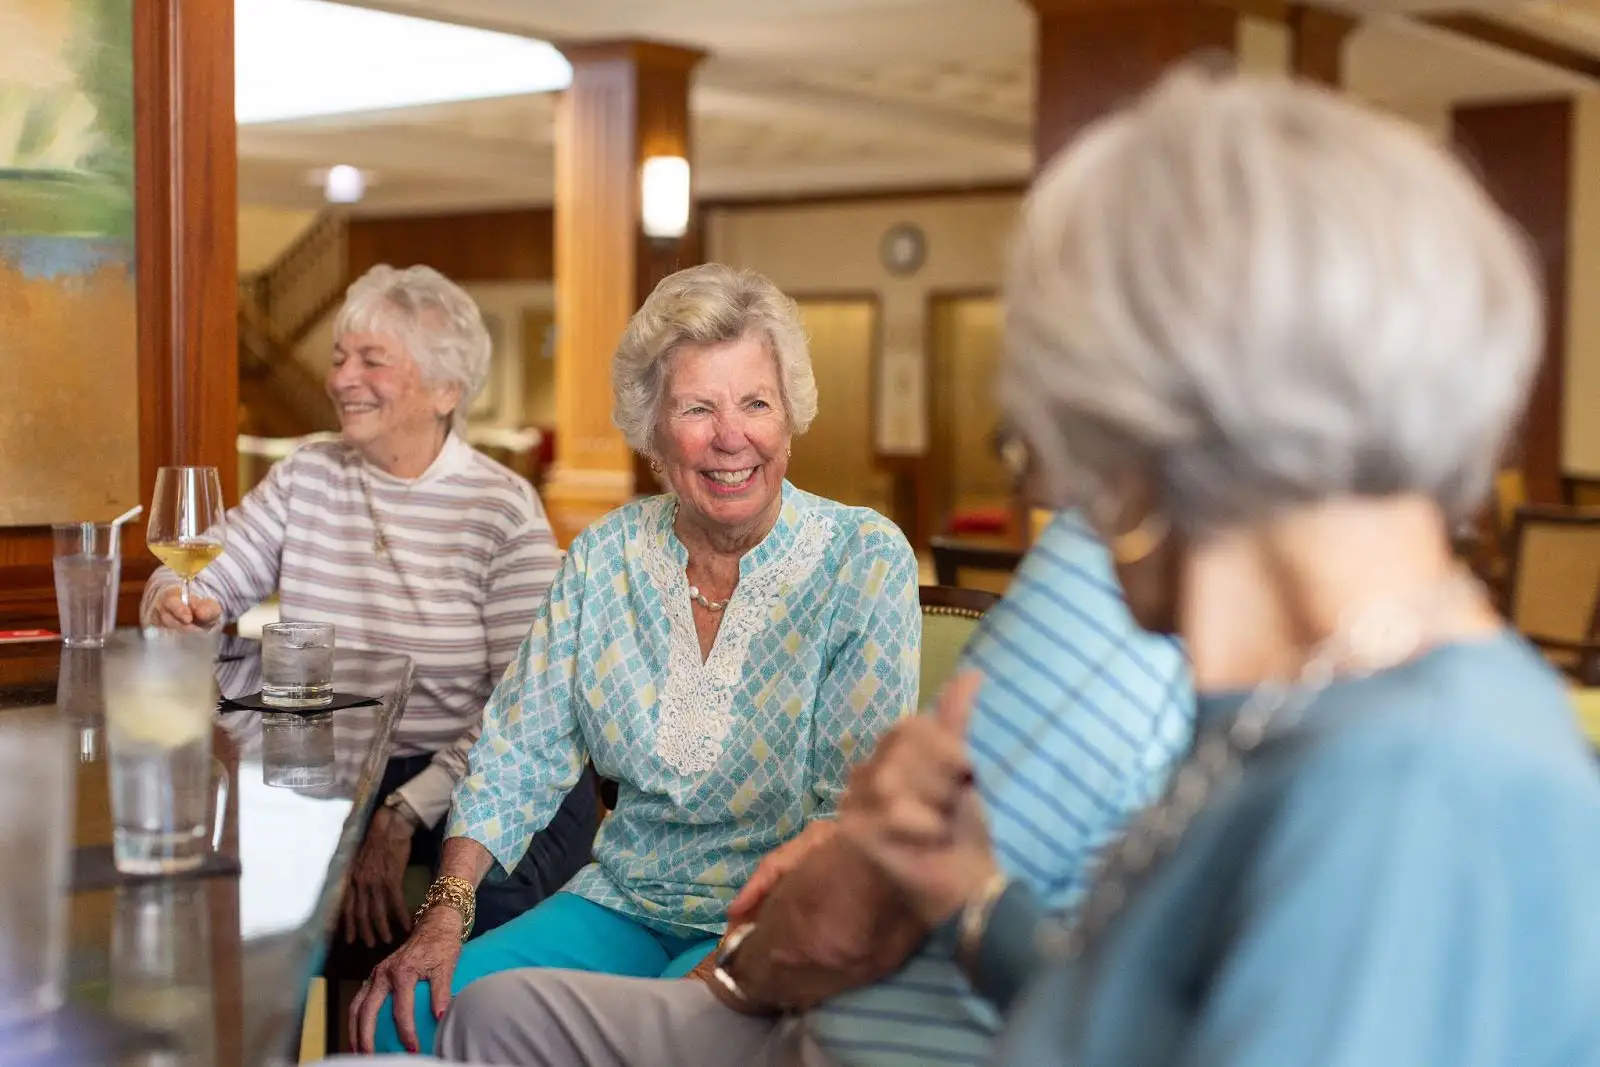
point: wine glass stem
(183, 586)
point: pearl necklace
(700, 598)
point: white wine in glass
(186, 521)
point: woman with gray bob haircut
(1272, 344)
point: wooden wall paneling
(477, 246)
(1096, 55)
(1523, 154)
(1316, 43)
(186, 265)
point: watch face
(903, 249)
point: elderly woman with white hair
(1274, 345)
(723, 651)
(409, 541)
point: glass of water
(88, 566)
(168, 795)
(297, 664)
(297, 753)
(36, 824)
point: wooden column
(1523, 151)
(629, 100)
(1316, 43)
(186, 265)
(1094, 55)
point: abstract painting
(69, 429)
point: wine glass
(186, 521)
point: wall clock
(903, 249)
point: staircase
(278, 308)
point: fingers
(405, 1011)
(171, 611)
(378, 905)
(363, 908)
(439, 988)
(206, 611)
(364, 1010)
(751, 896)
(397, 903)
(347, 917)
(955, 703)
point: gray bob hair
(1262, 295)
(707, 305)
(438, 322)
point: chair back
(1554, 587)
(949, 616)
(973, 564)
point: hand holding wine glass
(186, 521)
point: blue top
(717, 762)
(1078, 720)
(1409, 878)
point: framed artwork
(68, 312)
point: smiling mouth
(730, 480)
(357, 409)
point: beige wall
(832, 250)
(264, 232)
(1580, 452)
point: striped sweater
(469, 560)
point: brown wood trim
(928, 511)
(956, 599)
(186, 267)
(1574, 484)
(1486, 30)
(1523, 152)
(951, 554)
(864, 196)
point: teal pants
(565, 932)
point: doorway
(972, 492)
(835, 458)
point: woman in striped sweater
(408, 541)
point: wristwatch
(397, 804)
(973, 921)
(725, 954)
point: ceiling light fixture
(299, 59)
(344, 184)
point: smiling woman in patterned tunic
(724, 652)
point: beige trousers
(548, 1018)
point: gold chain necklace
(380, 539)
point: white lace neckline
(695, 710)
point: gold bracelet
(974, 920)
(452, 892)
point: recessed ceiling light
(344, 184)
(296, 59)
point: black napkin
(94, 869)
(253, 702)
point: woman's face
(723, 438)
(380, 394)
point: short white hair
(707, 305)
(439, 324)
(1261, 295)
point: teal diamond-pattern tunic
(717, 762)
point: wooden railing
(278, 308)
(306, 281)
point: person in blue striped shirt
(1078, 721)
